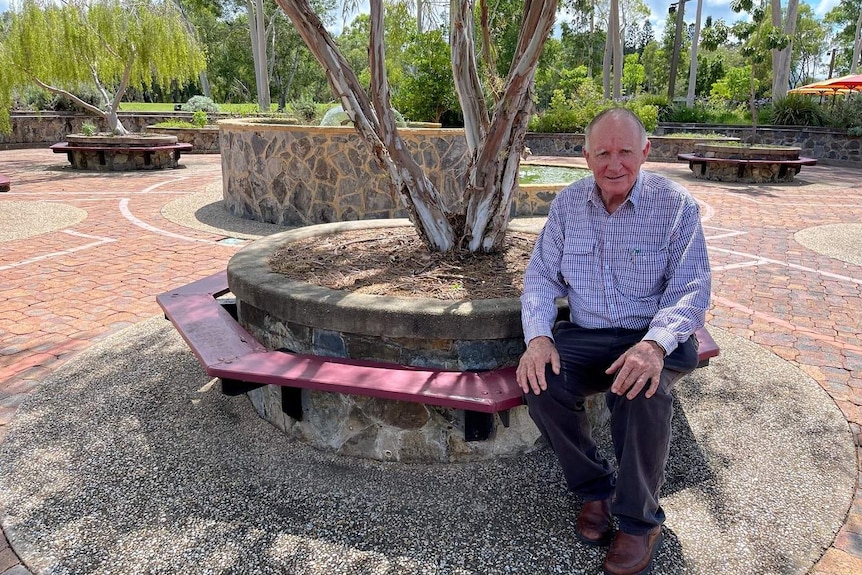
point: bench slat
(488, 392)
(64, 148)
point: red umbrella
(833, 85)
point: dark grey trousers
(640, 427)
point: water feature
(536, 174)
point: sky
(715, 8)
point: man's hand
(640, 364)
(531, 369)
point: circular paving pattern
(840, 241)
(20, 220)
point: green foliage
(846, 114)
(89, 129)
(427, 88)
(797, 110)
(66, 44)
(199, 118)
(336, 116)
(634, 74)
(200, 103)
(736, 85)
(305, 110)
(174, 123)
(572, 114)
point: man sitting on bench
(627, 249)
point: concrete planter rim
(251, 281)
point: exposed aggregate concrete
(129, 460)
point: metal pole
(674, 62)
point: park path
(80, 281)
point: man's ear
(647, 149)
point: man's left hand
(640, 365)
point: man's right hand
(531, 369)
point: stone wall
(38, 129)
(300, 175)
(203, 140)
(829, 147)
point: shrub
(174, 124)
(89, 129)
(573, 114)
(336, 116)
(305, 110)
(202, 103)
(797, 110)
(846, 113)
(199, 118)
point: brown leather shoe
(594, 523)
(632, 554)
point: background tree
(809, 47)
(494, 136)
(846, 19)
(112, 44)
(427, 90)
(692, 71)
(781, 57)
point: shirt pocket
(580, 264)
(640, 273)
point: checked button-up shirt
(643, 267)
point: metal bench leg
(291, 402)
(477, 425)
(234, 387)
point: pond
(534, 174)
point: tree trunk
(494, 147)
(618, 49)
(857, 45)
(781, 58)
(258, 52)
(492, 179)
(677, 42)
(692, 70)
(607, 62)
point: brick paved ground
(63, 290)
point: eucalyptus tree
(494, 134)
(692, 70)
(110, 44)
(781, 58)
(846, 17)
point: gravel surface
(129, 460)
(839, 241)
(21, 220)
(206, 212)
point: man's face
(615, 156)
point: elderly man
(627, 250)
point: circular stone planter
(745, 163)
(107, 152)
(451, 335)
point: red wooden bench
(4, 183)
(227, 351)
